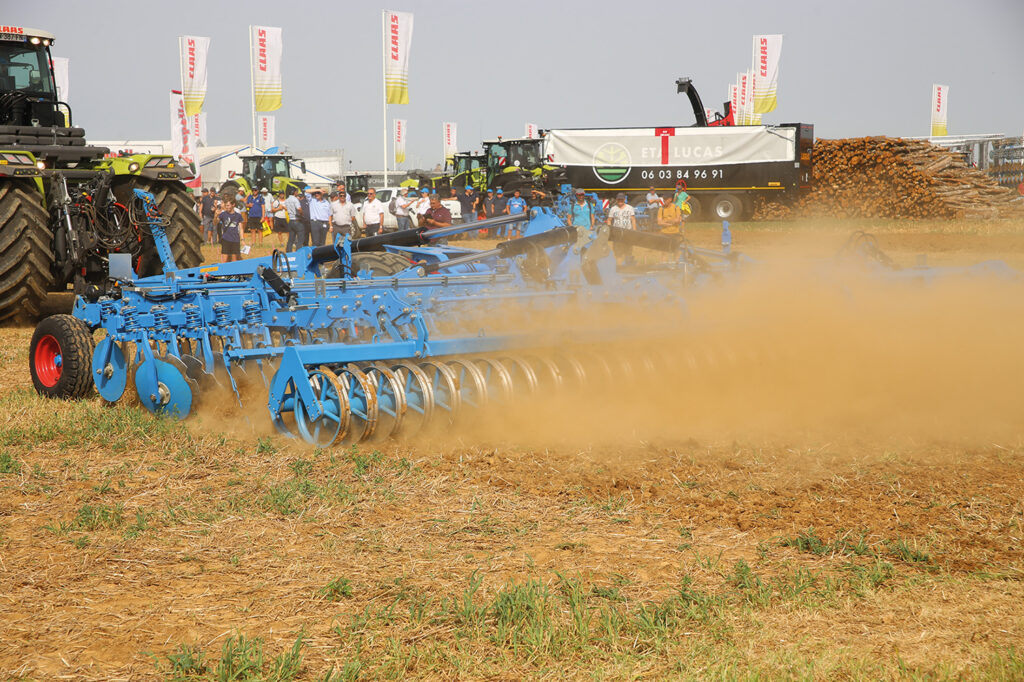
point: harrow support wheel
(59, 357)
(333, 423)
(418, 394)
(445, 386)
(362, 403)
(391, 407)
(472, 385)
(497, 379)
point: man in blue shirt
(515, 206)
(257, 211)
(319, 215)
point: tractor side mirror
(302, 165)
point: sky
(851, 68)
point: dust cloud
(800, 352)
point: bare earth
(821, 540)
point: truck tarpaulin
(625, 148)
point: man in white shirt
(343, 212)
(402, 206)
(373, 213)
(623, 215)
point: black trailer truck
(725, 167)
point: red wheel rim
(48, 361)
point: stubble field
(846, 505)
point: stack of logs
(884, 177)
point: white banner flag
(265, 133)
(198, 123)
(451, 145)
(265, 60)
(767, 53)
(532, 132)
(734, 103)
(60, 74)
(741, 85)
(940, 97)
(709, 114)
(192, 51)
(397, 41)
(399, 140)
(182, 144)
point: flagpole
(384, 87)
(252, 93)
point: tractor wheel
(26, 251)
(60, 357)
(184, 231)
(229, 189)
(379, 264)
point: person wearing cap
(403, 204)
(582, 213)
(256, 212)
(319, 217)
(468, 201)
(373, 213)
(516, 205)
(622, 216)
(682, 199)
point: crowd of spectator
(308, 217)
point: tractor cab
(469, 168)
(28, 91)
(356, 184)
(272, 171)
(506, 155)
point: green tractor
(469, 168)
(65, 205)
(520, 164)
(272, 171)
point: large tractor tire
(184, 232)
(26, 251)
(229, 189)
(372, 264)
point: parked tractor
(63, 204)
(520, 164)
(272, 171)
(470, 169)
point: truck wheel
(60, 357)
(184, 231)
(726, 207)
(26, 251)
(380, 264)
